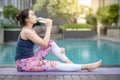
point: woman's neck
(29, 26)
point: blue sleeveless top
(24, 49)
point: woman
(27, 60)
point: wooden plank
(108, 77)
(17, 77)
(76, 77)
(33, 77)
(113, 77)
(59, 77)
(42, 77)
(62, 77)
(26, 77)
(51, 77)
(67, 77)
(84, 77)
(101, 77)
(92, 77)
(9, 77)
(2, 77)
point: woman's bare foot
(91, 66)
(94, 65)
(62, 50)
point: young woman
(28, 60)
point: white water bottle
(42, 20)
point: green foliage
(39, 5)
(7, 26)
(10, 12)
(108, 14)
(76, 26)
(91, 19)
(67, 10)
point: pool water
(78, 51)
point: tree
(91, 19)
(67, 10)
(10, 12)
(107, 14)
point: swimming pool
(79, 51)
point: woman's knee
(51, 42)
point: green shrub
(76, 26)
(91, 19)
(10, 12)
(107, 14)
(7, 26)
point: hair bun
(17, 18)
(20, 18)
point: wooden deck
(62, 77)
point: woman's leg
(78, 67)
(33, 64)
(56, 50)
(41, 52)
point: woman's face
(32, 19)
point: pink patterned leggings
(37, 62)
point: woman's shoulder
(27, 31)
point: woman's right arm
(32, 35)
(48, 32)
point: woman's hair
(22, 16)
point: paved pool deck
(116, 39)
